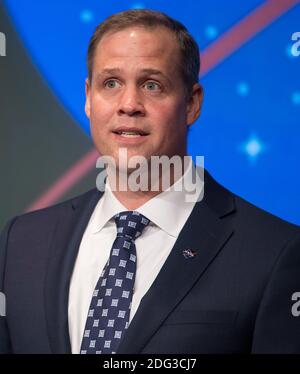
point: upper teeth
(129, 133)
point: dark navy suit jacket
(234, 296)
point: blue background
(249, 129)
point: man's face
(136, 99)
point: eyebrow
(152, 72)
(146, 71)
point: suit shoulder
(260, 226)
(252, 212)
(49, 214)
(251, 221)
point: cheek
(170, 119)
(100, 108)
(100, 117)
(98, 121)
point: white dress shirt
(167, 211)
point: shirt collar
(107, 207)
(168, 210)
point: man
(145, 271)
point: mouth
(130, 132)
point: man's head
(143, 76)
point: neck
(133, 200)
(149, 185)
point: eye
(152, 86)
(111, 83)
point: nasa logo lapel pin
(189, 253)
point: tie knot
(130, 224)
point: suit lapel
(205, 232)
(70, 227)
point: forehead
(157, 45)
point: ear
(194, 104)
(87, 107)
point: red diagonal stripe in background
(244, 30)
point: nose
(131, 103)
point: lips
(129, 131)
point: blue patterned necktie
(108, 315)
